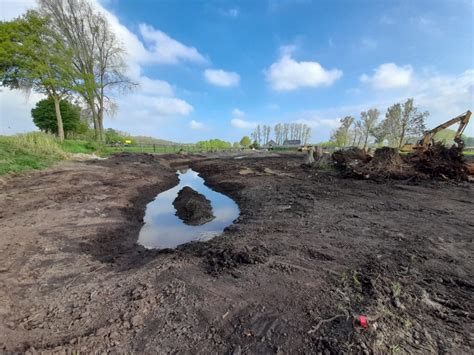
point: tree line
(65, 49)
(282, 132)
(402, 121)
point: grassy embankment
(37, 150)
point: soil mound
(440, 162)
(350, 157)
(192, 207)
(386, 163)
(435, 162)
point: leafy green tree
(341, 135)
(255, 145)
(214, 144)
(98, 58)
(245, 141)
(369, 122)
(114, 136)
(34, 57)
(412, 122)
(44, 116)
(403, 122)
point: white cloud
(155, 87)
(220, 77)
(239, 123)
(236, 113)
(389, 76)
(288, 74)
(170, 106)
(167, 50)
(15, 111)
(195, 124)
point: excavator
(428, 136)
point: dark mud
(310, 253)
(192, 207)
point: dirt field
(310, 253)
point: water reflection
(163, 229)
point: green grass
(468, 152)
(80, 146)
(28, 151)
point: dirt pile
(350, 157)
(435, 162)
(440, 162)
(386, 163)
(192, 207)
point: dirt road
(310, 253)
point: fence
(163, 148)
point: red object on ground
(363, 321)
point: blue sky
(212, 69)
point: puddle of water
(163, 229)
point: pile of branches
(434, 162)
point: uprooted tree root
(435, 162)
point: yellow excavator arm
(462, 119)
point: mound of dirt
(435, 162)
(192, 207)
(386, 163)
(350, 157)
(440, 162)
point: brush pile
(435, 162)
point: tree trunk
(402, 137)
(366, 139)
(59, 118)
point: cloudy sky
(215, 69)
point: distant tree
(214, 144)
(114, 136)
(255, 145)
(369, 121)
(44, 117)
(34, 57)
(266, 131)
(341, 135)
(403, 121)
(392, 124)
(257, 134)
(245, 141)
(412, 122)
(236, 145)
(278, 129)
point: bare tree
(306, 133)
(266, 130)
(278, 133)
(286, 131)
(98, 57)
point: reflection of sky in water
(163, 229)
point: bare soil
(310, 253)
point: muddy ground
(310, 252)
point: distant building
(292, 142)
(270, 143)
